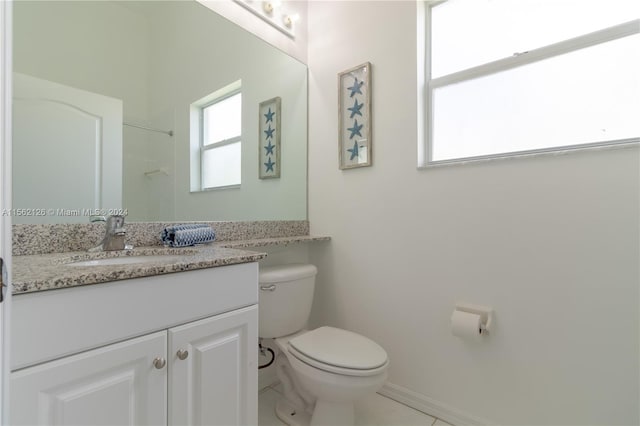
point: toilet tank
(285, 296)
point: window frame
(203, 148)
(429, 84)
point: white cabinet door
(113, 385)
(217, 382)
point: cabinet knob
(159, 363)
(182, 354)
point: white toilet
(323, 371)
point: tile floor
(375, 410)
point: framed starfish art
(354, 116)
(269, 139)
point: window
(221, 142)
(216, 139)
(508, 77)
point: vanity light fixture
(274, 12)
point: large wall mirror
(104, 96)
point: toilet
(322, 371)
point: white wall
(551, 242)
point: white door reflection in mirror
(67, 152)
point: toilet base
(290, 415)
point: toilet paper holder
(485, 312)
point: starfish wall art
(354, 87)
(269, 138)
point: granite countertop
(33, 273)
(264, 242)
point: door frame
(6, 8)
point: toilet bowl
(323, 371)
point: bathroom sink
(128, 260)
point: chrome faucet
(114, 233)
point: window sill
(217, 188)
(422, 165)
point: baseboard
(430, 406)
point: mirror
(145, 63)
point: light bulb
(289, 20)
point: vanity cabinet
(181, 368)
(113, 385)
(213, 385)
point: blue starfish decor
(269, 115)
(356, 109)
(269, 165)
(355, 130)
(269, 148)
(357, 85)
(354, 151)
(269, 132)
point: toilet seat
(339, 351)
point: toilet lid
(340, 348)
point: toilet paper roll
(466, 325)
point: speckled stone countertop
(33, 273)
(56, 238)
(264, 242)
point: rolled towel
(187, 235)
(168, 233)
